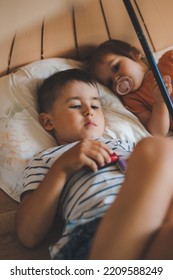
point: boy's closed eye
(75, 106)
(94, 107)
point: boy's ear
(45, 121)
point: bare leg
(142, 204)
(162, 246)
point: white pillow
(21, 135)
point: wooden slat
(58, 37)
(18, 14)
(6, 203)
(10, 247)
(5, 48)
(159, 21)
(27, 46)
(119, 23)
(90, 26)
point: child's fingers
(93, 153)
(167, 81)
(101, 153)
(169, 88)
(99, 146)
(90, 153)
(90, 163)
(100, 158)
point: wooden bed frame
(10, 247)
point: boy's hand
(157, 96)
(90, 153)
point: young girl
(106, 214)
(124, 69)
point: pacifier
(124, 85)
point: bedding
(20, 131)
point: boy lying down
(107, 214)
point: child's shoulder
(165, 63)
(52, 151)
(168, 55)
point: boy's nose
(87, 112)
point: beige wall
(35, 29)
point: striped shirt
(86, 194)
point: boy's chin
(92, 135)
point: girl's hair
(51, 87)
(115, 47)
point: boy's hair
(49, 90)
(115, 47)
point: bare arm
(38, 209)
(157, 122)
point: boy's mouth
(90, 124)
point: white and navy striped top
(87, 194)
